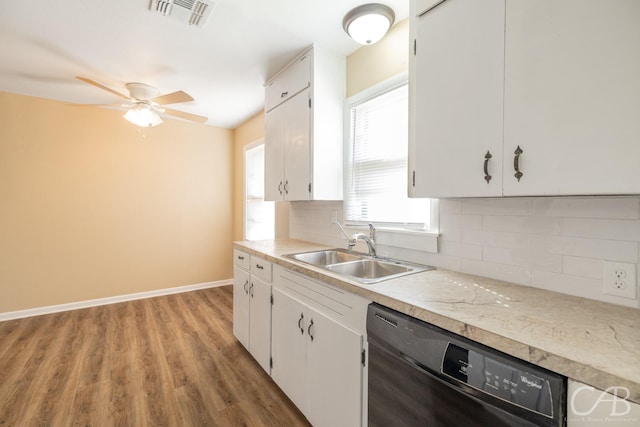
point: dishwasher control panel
(498, 379)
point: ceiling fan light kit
(368, 23)
(141, 114)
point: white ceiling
(45, 44)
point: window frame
(245, 196)
(372, 92)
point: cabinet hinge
(271, 362)
(364, 357)
(309, 102)
(414, 47)
(309, 187)
(413, 180)
(271, 299)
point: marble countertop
(589, 341)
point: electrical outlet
(334, 216)
(620, 279)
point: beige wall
(373, 64)
(92, 206)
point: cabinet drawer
(261, 268)
(293, 79)
(242, 260)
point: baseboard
(19, 314)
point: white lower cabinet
(252, 306)
(318, 359)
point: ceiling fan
(145, 104)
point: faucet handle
(372, 232)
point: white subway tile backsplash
(593, 207)
(615, 229)
(552, 243)
(450, 206)
(604, 249)
(496, 239)
(461, 250)
(582, 267)
(523, 224)
(523, 257)
(509, 273)
(460, 222)
(518, 206)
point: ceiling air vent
(192, 12)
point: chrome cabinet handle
(246, 282)
(251, 290)
(299, 322)
(487, 157)
(280, 187)
(286, 187)
(309, 330)
(516, 163)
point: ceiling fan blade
(101, 86)
(172, 98)
(186, 116)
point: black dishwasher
(422, 375)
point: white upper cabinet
(291, 81)
(303, 128)
(548, 88)
(456, 91)
(572, 97)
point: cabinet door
(297, 155)
(334, 373)
(260, 322)
(293, 79)
(274, 135)
(241, 284)
(457, 78)
(571, 97)
(288, 333)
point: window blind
(376, 170)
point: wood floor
(165, 361)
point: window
(376, 165)
(259, 215)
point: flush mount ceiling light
(368, 23)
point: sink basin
(323, 258)
(359, 267)
(369, 268)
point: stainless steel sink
(323, 258)
(359, 267)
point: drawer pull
(283, 94)
(240, 257)
(259, 267)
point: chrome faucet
(369, 240)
